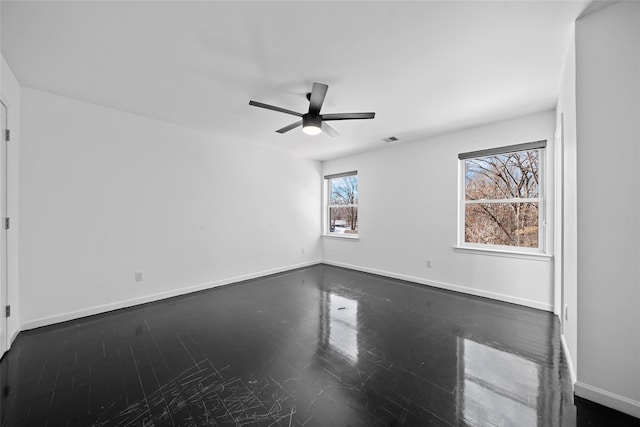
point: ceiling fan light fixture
(311, 130)
(311, 125)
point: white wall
(106, 193)
(408, 213)
(10, 93)
(608, 154)
(566, 111)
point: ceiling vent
(390, 139)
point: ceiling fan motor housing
(311, 120)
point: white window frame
(540, 146)
(327, 207)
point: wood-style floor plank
(320, 346)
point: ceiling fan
(313, 122)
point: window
(502, 204)
(342, 204)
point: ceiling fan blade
(289, 127)
(274, 108)
(348, 116)
(318, 92)
(329, 130)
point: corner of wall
(565, 274)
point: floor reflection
(497, 387)
(339, 326)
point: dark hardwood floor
(320, 346)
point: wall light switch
(138, 276)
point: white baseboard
(12, 338)
(64, 317)
(606, 398)
(447, 286)
(567, 356)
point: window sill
(342, 236)
(504, 253)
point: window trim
(503, 150)
(504, 250)
(326, 206)
(534, 256)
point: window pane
(509, 224)
(503, 176)
(343, 220)
(343, 191)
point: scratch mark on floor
(202, 395)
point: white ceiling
(423, 67)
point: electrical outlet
(428, 263)
(302, 251)
(138, 276)
(566, 312)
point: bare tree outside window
(343, 204)
(502, 199)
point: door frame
(4, 244)
(558, 252)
